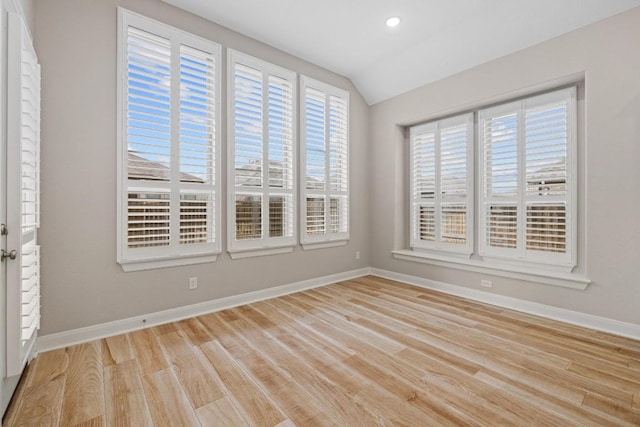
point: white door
(21, 256)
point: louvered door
(23, 200)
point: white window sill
(322, 245)
(547, 277)
(250, 253)
(152, 264)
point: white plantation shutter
(169, 142)
(261, 155)
(23, 193)
(30, 148)
(441, 165)
(325, 162)
(528, 179)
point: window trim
(535, 270)
(326, 240)
(531, 273)
(533, 258)
(265, 245)
(161, 257)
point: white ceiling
(436, 38)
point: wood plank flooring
(365, 352)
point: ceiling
(436, 38)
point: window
(441, 185)
(325, 164)
(168, 165)
(528, 180)
(262, 203)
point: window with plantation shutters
(528, 180)
(168, 145)
(441, 185)
(261, 150)
(325, 163)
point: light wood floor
(364, 352)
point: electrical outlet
(193, 283)
(357, 254)
(486, 283)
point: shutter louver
(149, 106)
(315, 215)
(315, 144)
(197, 146)
(148, 219)
(423, 176)
(500, 151)
(440, 184)
(30, 143)
(169, 144)
(248, 149)
(280, 152)
(248, 126)
(338, 144)
(262, 202)
(30, 185)
(325, 167)
(546, 129)
(148, 138)
(454, 183)
(30, 290)
(23, 188)
(527, 191)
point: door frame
(8, 385)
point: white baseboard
(90, 333)
(616, 327)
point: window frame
(520, 256)
(536, 268)
(326, 239)
(173, 254)
(265, 245)
(438, 245)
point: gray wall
(81, 283)
(607, 54)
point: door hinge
(3, 230)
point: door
(21, 256)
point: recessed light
(393, 22)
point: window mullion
(327, 162)
(265, 156)
(522, 187)
(174, 180)
(437, 208)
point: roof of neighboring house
(141, 168)
(251, 175)
(555, 172)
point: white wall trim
(629, 330)
(531, 273)
(90, 333)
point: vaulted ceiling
(435, 39)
